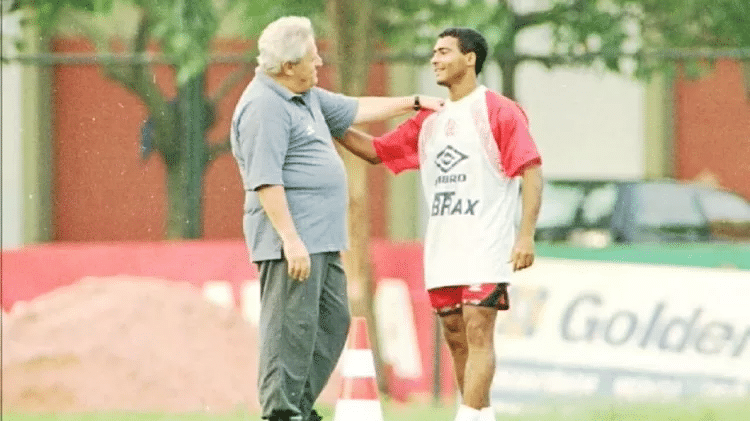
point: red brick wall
(712, 127)
(104, 191)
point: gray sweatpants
(303, 329)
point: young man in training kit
(472, 155)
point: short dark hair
(469, 40)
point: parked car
(597, 213)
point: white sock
(467, 413)
(487, 414)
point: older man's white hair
(284, 40)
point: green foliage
(185, 29)
(412, 26)
(614, 33)
(619, 34)
(696, 23)
(257, 14)
(47, 13)
(586, 31)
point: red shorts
(449, 300)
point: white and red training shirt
(470, 155)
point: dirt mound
(125, 343)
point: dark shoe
(283, 416)
(314, 416)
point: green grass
(735, 411)
(718, 411)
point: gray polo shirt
(282, 138)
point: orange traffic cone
(359, 394)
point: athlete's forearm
(360, 144)
(531, 200)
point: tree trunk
(352, 28)
(177, 212)
(508, 67)
(745, 66)
(185, 170)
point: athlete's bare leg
(454, 332)
(480, 363)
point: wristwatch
(417, 107)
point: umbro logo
(310, 131)
(449, 158)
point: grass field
(719, 411)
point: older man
(295, 212)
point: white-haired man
(295, 212)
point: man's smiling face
(448, 63)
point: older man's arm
(273, 200)
(382, 108)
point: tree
(351, 34)
(630, 36)
(696, 33)
(183, 31)
(579, 27)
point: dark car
(597, 213)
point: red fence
(34, 271)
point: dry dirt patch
(125, 343)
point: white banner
(629, 331)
